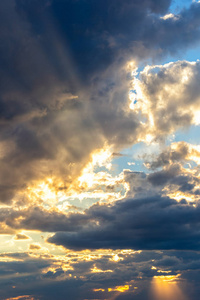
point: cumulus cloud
(64, 84)
(171, 102)
(177, 152)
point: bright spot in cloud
(121, 288)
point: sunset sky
(99, 149)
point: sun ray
(166, 287)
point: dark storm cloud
(164, 176)
(39, 39)
(94, 30)
(149, 223)
(39, 218)
(183, 182)
(174, 175)
(23, 264)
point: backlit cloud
(99, 149)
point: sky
(99, 149)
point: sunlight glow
(96, 270)
(100, 158)
(47, 191)
(98, 290)
(169, 16)
(121, 288)
(116, 258)
(24, 297)
(178, 196)
(166, 287)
